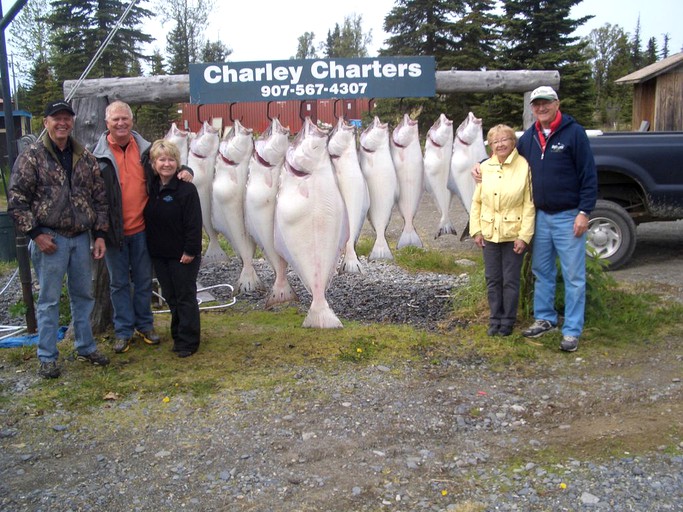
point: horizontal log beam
(176, 88)
(134, 90)
(494, 81)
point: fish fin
(465, 232)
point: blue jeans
(130, 285)
(554, 236)
(73, 259)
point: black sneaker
(505, 330)
(492, 330)
(49, 370)
(96, 358)
(150, 337)
(538, 328)
(121, 345)
(569, 343)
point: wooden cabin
(657, 95)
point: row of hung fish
(304, 202)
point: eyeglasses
(501, 141)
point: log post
(89, 125)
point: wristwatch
(584, 213)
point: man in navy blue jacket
(565, 186)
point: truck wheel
(612, 233)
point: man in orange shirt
(123, 157)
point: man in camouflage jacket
(57, 198)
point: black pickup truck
(640, 179)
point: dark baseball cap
(57, 106)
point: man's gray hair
(116, 106)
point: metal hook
(270, 118)
(334, 108)
(230, 113)
(199, 117)
(301, 113)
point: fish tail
(351, 264)
(214, 253)
(445, 228)
(381, 251)
(249, 281)
(280, 294)
(409, 238)
(321, 316)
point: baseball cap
(543, 93)
(56, 106)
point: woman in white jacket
(502, 224)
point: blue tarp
(28, 339)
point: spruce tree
(537, 35)
(79, 27)
(460, 34)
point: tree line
(54, 41)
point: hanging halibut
(202, 160)
(354, 190)
(265, 166)
(437, 165)
(380, 175)
(181, 139)
(227, 206)
(311, 224)
(408, 162)
(468, 149)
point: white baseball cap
(543, 93)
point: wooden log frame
(92, 96)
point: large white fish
(311, 224)
(437, 165)
(265, 166)
(202, 160)
(354, 190)
(408, 162)
(181, 139)
(468, 149)
(380, 175)
(227, 207)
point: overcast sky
(271, 33)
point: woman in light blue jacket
(502, 224)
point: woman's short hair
(500, 130)
(164, 147)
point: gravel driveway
(576, 433)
